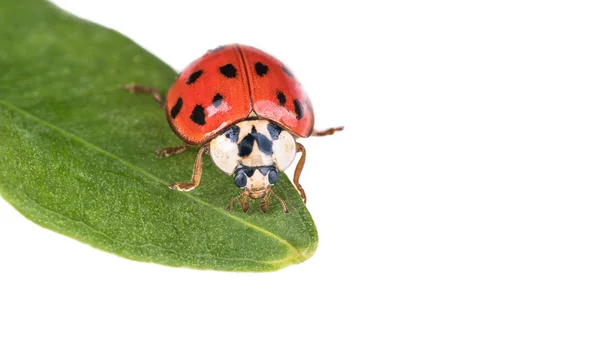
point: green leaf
(78, 154)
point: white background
(461, 200)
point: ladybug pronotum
(244, 108)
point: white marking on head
(284, 150)
(224, 154)
(225, 148)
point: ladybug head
(256, 181)
(254, 151)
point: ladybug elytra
(244, 108)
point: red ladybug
(244, 108)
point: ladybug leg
(195, 176)
(299, 167)
(138, 89)
(170, 151)
(327, 132)
(244, 193)
(285, 208)
(244, 202)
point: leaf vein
(148, 244)
(294, 252)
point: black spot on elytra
(194, 76)
(298, 109)
(281, 98)
(176, 108)
(261, 69)
(265, 145)
(228, 70)
(198, 115)
(217, 100)
(274, 130)
(233, 133)
(287, 71)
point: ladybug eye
(240, 179)
(273, 177)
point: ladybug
(246, 110)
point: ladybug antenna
(285, 208)
(244, 196)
